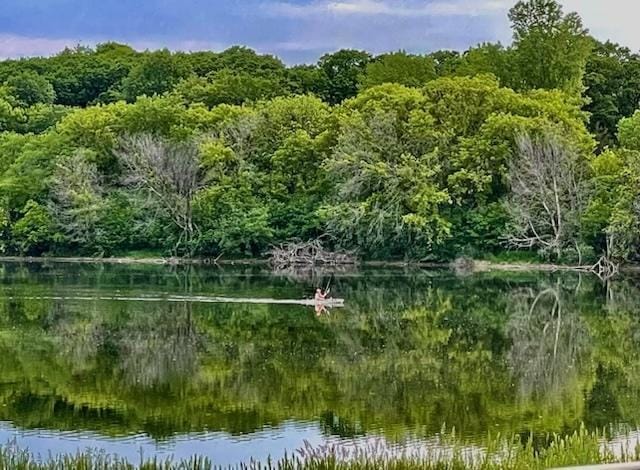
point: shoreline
(477, 266)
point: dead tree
(547, 194)
(170, 173)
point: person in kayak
(320, 296)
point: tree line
(532, 147)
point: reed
(581, 448)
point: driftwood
(310, 253)
(605, 268)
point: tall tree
(342, 69)
(550, 48)
(612, 82)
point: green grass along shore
(580, 448)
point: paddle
(328, 288)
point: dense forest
(531, 148)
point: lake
(103, 357)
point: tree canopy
(398, 155)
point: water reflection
(411, 352)
(548, 339)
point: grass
(581, 448)
(524, 257)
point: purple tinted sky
(296, 30)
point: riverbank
(471, 265)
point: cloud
(616, 20)
(388, 8)
(21, 46)
(296, 30)
(12, 46)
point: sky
(298, 31)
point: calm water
(412, 351)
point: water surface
(83, 364)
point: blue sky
(296, 30)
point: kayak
(329, 303)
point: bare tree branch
(170, 172)
(546, 194)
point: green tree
(629, 132)
(11, 117)
(30, 88)
(229, 87)
(551, 48)
(488, 59)
(77, 204)
(34, 232)
(81, 76)
(398, 67)
(29, 166)
(612, 83)
(611, 222)
(243, 59)
(305, 79)
(231, 217)
(342, 69)
(155, 74)
(446, 62)
(387, 199)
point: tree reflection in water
(549, 338)
(160, 349)
(412, 351)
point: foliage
(488, 58)
(398, 67)
(228, 87)
(395, 156)
(33, 232)
(29, 88)
(342, 70)
(550, 48)
(387, 198)
(155, 74)
(629, 132)
(612, 219)
(612, 82)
